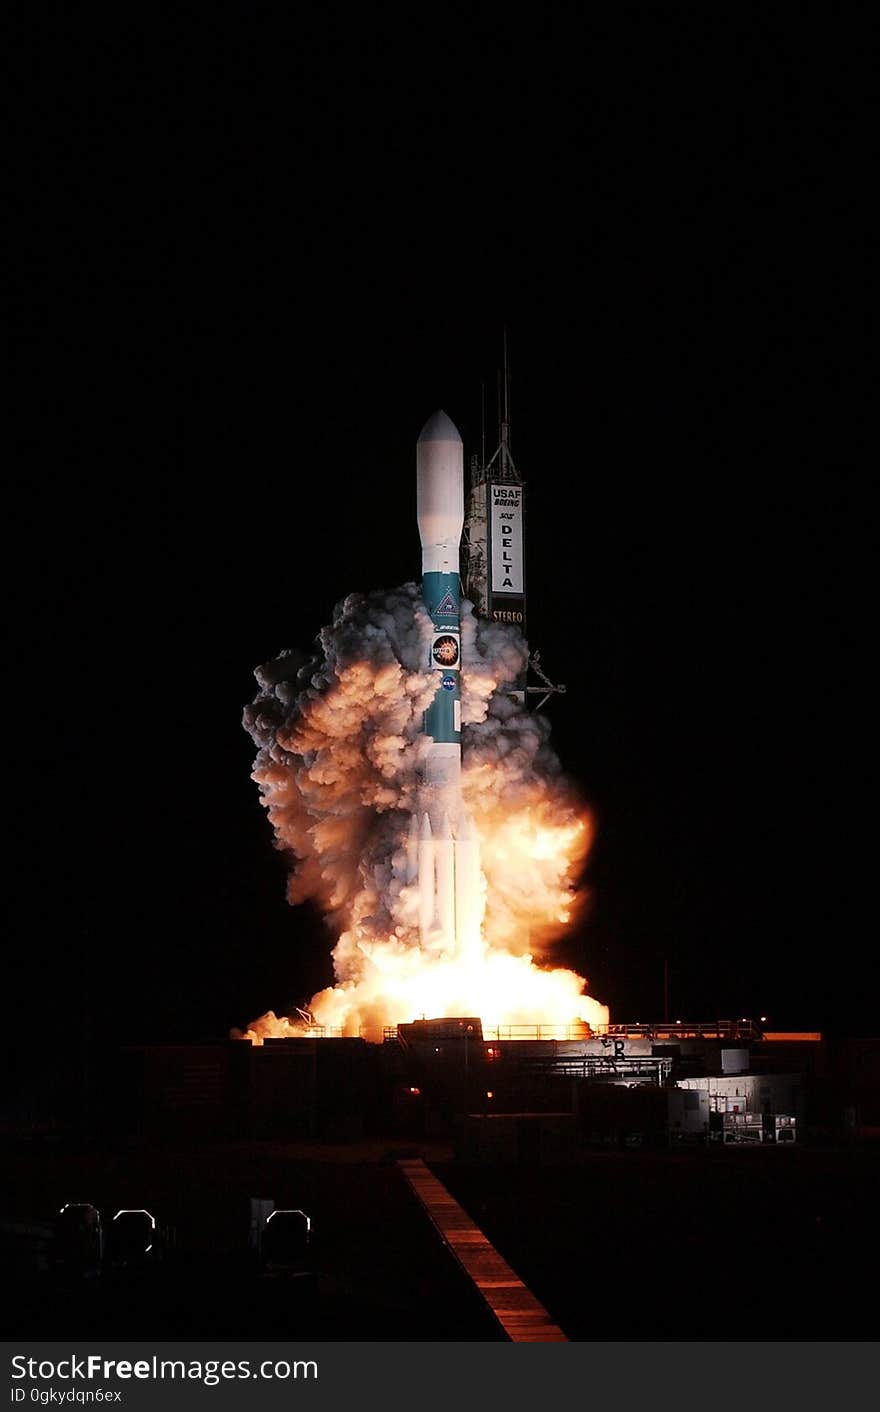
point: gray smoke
(339, 736)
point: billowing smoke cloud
(340, 745)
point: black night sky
(253, 261)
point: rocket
(440, 509)
(443, 850)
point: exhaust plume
(340, 749)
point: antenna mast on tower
(494, 567)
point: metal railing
(314, 1032)
(682, 1029)
(672, 1030)
(576, 1030)
(657, 1069)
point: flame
(528, 861)
(400, 985)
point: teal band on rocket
(442, 594)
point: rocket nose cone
(439, 427)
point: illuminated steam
(340, 745)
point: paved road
(731, 1245)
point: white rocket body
(440, 512)
(440, 494)
(444, 857)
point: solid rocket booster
(440, 502)
(443, 849)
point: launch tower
(493, 570)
